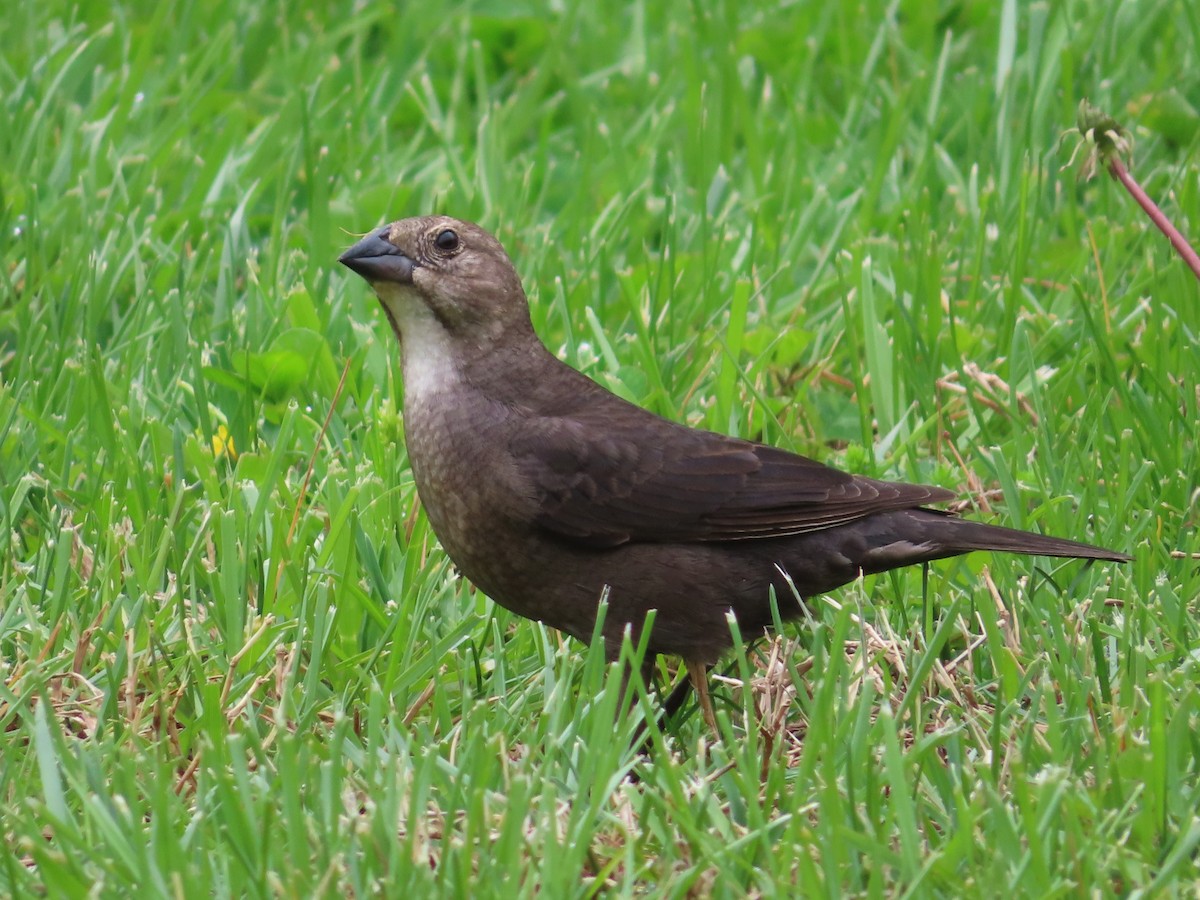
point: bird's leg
(698, 675)
(673, 702)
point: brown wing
(604, 483)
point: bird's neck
(430, 360)
(506, 368)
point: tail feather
(909, 536)
(962, 536)
(965, 535)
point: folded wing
(600, 484)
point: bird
(551, 494)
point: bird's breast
(458, 448)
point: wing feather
(604, 483)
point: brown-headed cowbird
(549, 492)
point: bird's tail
(908, 536)
(962, 536)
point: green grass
(839, 228)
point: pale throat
(430, 368)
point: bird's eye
(446, 240)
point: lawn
(234, 660)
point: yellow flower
(222, 443)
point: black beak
(376, 258)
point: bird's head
(444, 269)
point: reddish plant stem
(1178, 241)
